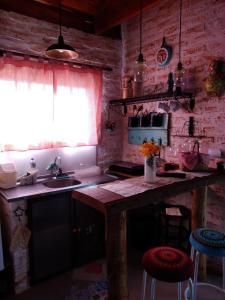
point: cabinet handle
(76, 230)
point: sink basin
(61, 183)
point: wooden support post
(199, 209)
(116, 251)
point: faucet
(55, 168)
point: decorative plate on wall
(164, 54)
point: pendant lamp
(60, 50)
(140, 63)
(180, 71)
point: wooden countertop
(39, 189)
(134, 192)
(114, 199)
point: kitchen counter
(15, 209)
(114, 199)
(39, 189)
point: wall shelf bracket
(186, 100)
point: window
(47, 105)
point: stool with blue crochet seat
(166, 264)
(212, 243)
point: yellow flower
(149, 149)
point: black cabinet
(65, 233)
(50, 221)
(88, 234)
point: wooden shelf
(155, 98)
(193, 136)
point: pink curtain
(47, 105)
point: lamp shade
(61, 50)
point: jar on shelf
(127, 90)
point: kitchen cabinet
(88, 234)
(65, 233)
(50, 221)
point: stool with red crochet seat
(169, 265)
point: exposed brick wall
(27, 35)
(31, 36)
(203, 39)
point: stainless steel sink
(61, 183)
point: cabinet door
(89, 234)
(51, 239)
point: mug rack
(185, 100)
(154, 128)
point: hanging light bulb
(140, 66)
(180, 71)
(60, 50)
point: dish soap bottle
(33, 170)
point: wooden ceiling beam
(89, 7)
(118, 12)
(34, 9)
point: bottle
(140, 69)
(170, 83)
(32, 163)
(33, 171)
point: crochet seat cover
(208, 241)
(167, 264)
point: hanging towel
(20, 238)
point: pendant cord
(180, 31)
(60, 17)
(140, 25)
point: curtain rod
(81, 65)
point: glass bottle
(139, 74)
(179, 79)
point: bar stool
(212, 243)
(169, 265)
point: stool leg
(224, 273)
(188, 293)
(192, 253)
(179, 290)
(153, 284)
(195, 274)
(144, 285)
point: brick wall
(27, 35)
(203, 39)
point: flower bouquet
(150, 150)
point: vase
(150, 169)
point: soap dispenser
(33, 171)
